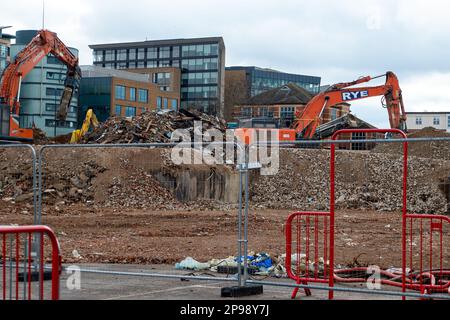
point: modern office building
(419, 120)
(41, 92)
(242, 83)
(110, 92)
(5, 44)
(201, 60)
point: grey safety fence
(34, 172)
(241, 167)
(31, 246)
(303, 145)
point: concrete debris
(434, 150)
(369, 181)
(150, 127)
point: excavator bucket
(66, 98)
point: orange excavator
(307, 121)
(41, 45)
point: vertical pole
(246, 224)
(239, 255)
(404, 213)
(332, 214)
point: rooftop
(4, 35)
(149, 43)
(287, 94)
(428, 112)
(99, 72)
(248, 68)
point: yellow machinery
(91, 119)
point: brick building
(242, 83)
(282, 104)
(115, 92)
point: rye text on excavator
(44, 43)
(309, 119)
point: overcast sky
(336, 40)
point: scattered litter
(191, 264)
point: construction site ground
(166, 237)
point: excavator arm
(309, 119)
(43, 43)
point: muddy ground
(166, 237)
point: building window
(334, 114)
(98, 56)
(246, 112)
(53, 60)
(174, 103)
(143, 95)
(164, 52)
(436, 121)
(287, 113)
(122, 65)
(152, 64)
(53, 92)
(448, 121)
(214, 49)
(118, 110)
(59, 124)
(141, 54)
(132, 54)
(141, 64)
(164, 63)
(120, 92)
(152, 53)
(130, 112)
(122, 54)
(132, 94)
(176, 52)
(56, 76)
(166, 103)
(110, 55)
(418, 121)
(159, 103)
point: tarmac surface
(98, 286)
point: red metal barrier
(425, 243)
(328, 239)
(311, 248)
(19, 265)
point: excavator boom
(309, 119)
(41, 45)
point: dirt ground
(166, 237)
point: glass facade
(3, 56)
(201, 61)
(261, 80)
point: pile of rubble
(108, 178)
(150, 127)
(371, 181)
(433, 149)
